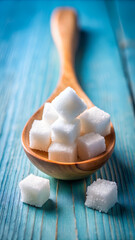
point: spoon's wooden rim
(100, 157)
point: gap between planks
(56, 232)
(76, 231)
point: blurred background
(29, 72)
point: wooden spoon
(64, 31)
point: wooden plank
(126, 12)
(66, 220)
(78, 191)
(130, 57)
(31, 73)
(26, 73)
(122, 18)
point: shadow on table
(121, 211)
(50, 205)
(88, 39)
(84, 41)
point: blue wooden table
(29, 70)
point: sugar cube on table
(34, 190)
(101, 195)
(90, 145)
(68, 104)
(64, 132)
(95, 120)
(62, 152)
(49, 113)
(40, 135)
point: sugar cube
(68, 104)
(90, 145)
(64, 132)
(40, 135)
(95, 120)
(49, 113)
(101, 195)
(62, 152)
(34, 190)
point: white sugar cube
(90, 145)
(64, 132)
(95, 120)
(49, 113)
(68, 104)
(62, 152)
(40, 135)
(101, 195)
(34, 190)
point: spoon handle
(65, 34)
(64, 30)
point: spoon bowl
(64, 31)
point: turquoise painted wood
(129, 39)
(29, 70)
(122, 16)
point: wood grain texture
(29, 69)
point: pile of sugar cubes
(101, 195)
(69, 130)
